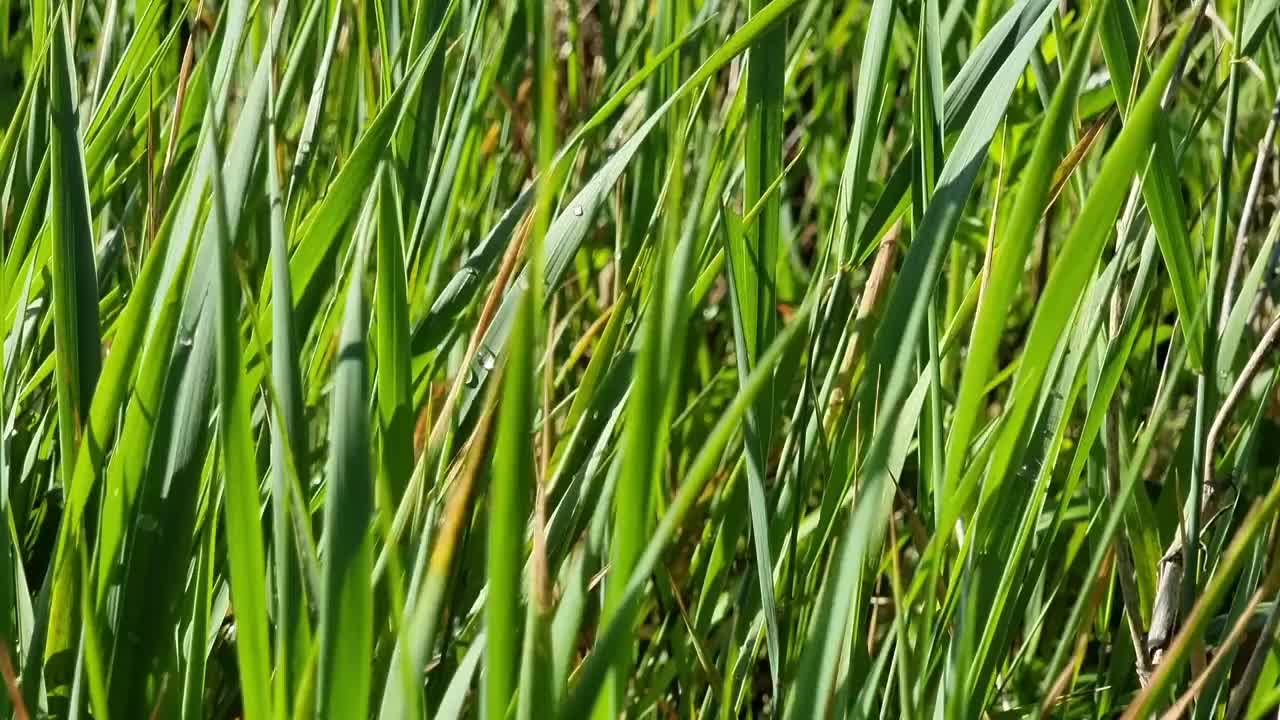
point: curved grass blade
(1010, 259)
(1079, 255)
(451, 705)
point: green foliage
(662, 358)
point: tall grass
(675, 358)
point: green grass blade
(508, 517)
(391, 313)
(755, 289)
(1120, 45)
(75, 304)
(346, 608)
(288, 449)
(245, 552)
(1010, 259)
(75, 287)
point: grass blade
(346, 608)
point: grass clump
(662, 358)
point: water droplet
(186, 340)
(485, 358)
(470, 380)
(577, 211)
